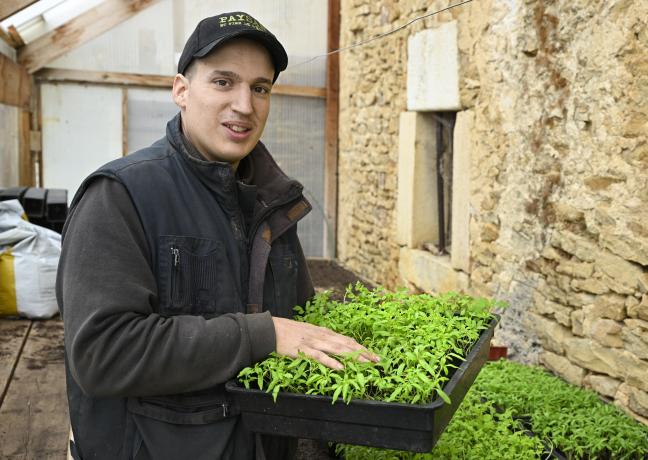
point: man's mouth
(237, 128)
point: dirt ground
(327, 275)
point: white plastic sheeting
(82, 130)
(141, 44)
(150, 43)
(149, 110)
(9, 145)
(294, 135)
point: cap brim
(276, 50)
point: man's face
(225, 100)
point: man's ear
(180, 90)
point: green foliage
(476, 432)
(576, 420)
(419, 338)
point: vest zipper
(175, 254)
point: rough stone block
(638, 309)
(593, 285)
(416, 203)
(635, 399)
(581, 247)
(563, 367)
(622, 401)
(635, 337)
(546, 307)
(578, 269)
(610, 306)
(581, 352)
(624, 364)
(577, 317)
(620, 270)
(553, 335)
(461, 158)
(433, 69)
(607, 386)
(430, 273)
(606, 332)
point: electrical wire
(379, 36)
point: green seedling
(578, 422)
(420, 339)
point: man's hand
(316, 342)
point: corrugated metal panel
(82, 130)
(9, 146)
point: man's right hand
(316, 342)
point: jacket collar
(274, 187)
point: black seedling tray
(413, 427)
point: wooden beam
(15, 83)
(15, 37)
(25, 161)
(303, 91)
(11, 7)
(150, 81)
(331, 128)
(79, 30)
(4, 36)
(104, 78)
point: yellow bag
(29, 256)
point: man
(181, 265)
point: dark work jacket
(208, 258)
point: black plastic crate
(413, 427)
(56, 206)
(34, 203)
(12, 193)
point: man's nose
(242, 102)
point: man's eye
(261, 90)
(221, 82)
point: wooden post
(331, 128)
(124, 121)
(25, 164)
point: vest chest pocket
(280, 290)
(195, 277)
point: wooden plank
(34, 415)
(15, 37)
(78, 30)
(151, 81)
(11, 7)
(15, 83)
(4, 36)
(37, 125)
(302, 91)
(124, 121)
(25, 163)
(13, 333)
(104, 78)
(331, 128)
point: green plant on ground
(476, 432)
(419, 338)
(576, 420)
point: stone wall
(558, 97)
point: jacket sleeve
(115, 344)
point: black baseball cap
(214, 31)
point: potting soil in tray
(389, 421)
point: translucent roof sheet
(45, 15)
